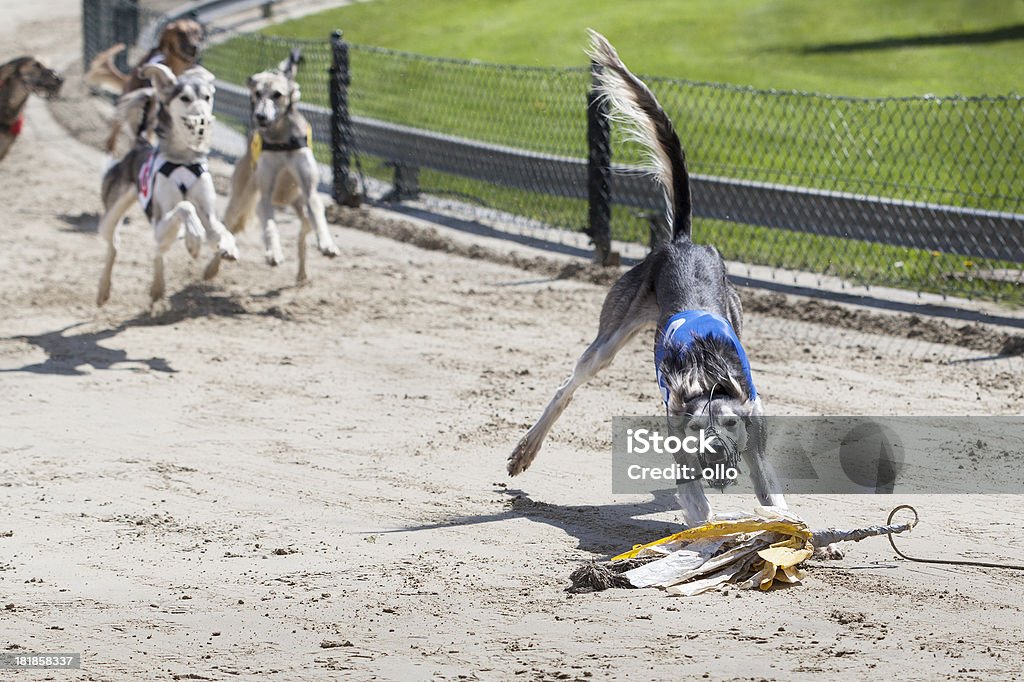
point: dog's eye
(206, 98)
(277, 95)
(186, 99)
(729, 422)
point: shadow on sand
(67, 353)
(601, 529)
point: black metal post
(126, 30)
(599, 169)
(344, 188)
(90, 31)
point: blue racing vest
(679, 332)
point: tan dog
(20, 78)
(278, 167)
(178, 50)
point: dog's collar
(294, 142)
(14, 127)
(678, 334)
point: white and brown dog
(178, 50)
(171, 180)
(278, 167)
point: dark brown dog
(20, 78)
(178, 50)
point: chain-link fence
(106, 22)
(921, 193)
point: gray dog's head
(708, 389)
(272, 94)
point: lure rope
(947, 562)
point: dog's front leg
(766, 485)
(306, 226)
(166, 232)
(628, 308)
(265, 212)
(308, 175)
(324, 241)
(305, 210)
(693, 502)
(227, 248)
(204, 196)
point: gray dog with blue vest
(701, 367)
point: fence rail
(924, 193)
(970, 232)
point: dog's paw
(227, 248)
(522, 457)
(103, 295)
(330, 250)
(156, 291)
(274, 258)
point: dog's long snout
(260, 117)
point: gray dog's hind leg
(628, 308)
(109, 230)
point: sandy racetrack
(266, 481)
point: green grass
(941, 150)
(745, 42)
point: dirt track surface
(264, 481)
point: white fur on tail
(628, 96)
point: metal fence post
(599, 168)
(126, 30)
(90, 32)
(343, 188)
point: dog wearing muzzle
(702, 368)
(171, 180)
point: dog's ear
(290, 67)
(163, 79)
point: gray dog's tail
(634, 105)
